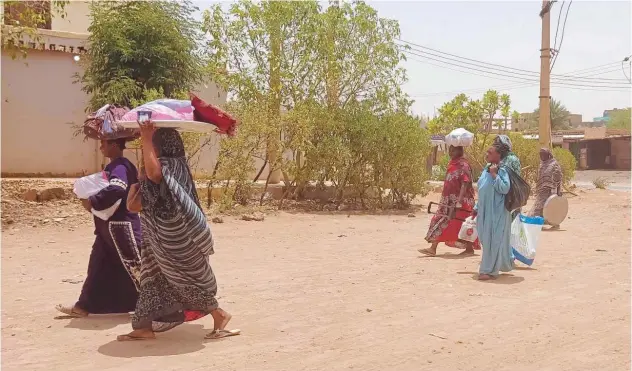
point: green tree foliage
(505, 109)
(140, 45)
(474, 116)
(559, 116)
(515, 119)
(620, 119)
(317, 92)
(21, 19)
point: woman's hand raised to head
(147, 130)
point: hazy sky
(508, 33)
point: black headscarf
(168, 143)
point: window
(28, 13)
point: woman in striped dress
(177, 283)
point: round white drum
(555, 209)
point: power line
(516, 72)
(557, 52)
(559, 17)
(626, 59)
(592, 68)
(513, 77)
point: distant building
(574, 120)
(607, 114)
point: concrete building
(595, 147)
(41, 106)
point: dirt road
(331, 292)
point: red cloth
(442, 229)
(206, 112)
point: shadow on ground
(502, 279)
(96, 322)
(185, 339)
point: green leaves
(140, 45)
(559, 116)
(620, 119)
(21, 19)
(322, 87)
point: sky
(508, 33)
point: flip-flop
(220, 334)
(133, 338)
(427, 252)
(69, 312)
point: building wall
(620, 153)
(575, 120)
(38, 107)
(40, 141)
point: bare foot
(467, 253)
(144, 334)
(428, 252)
(484, 277)
(221, 319)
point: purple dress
(114, 268)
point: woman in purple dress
(114, 268)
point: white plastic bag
(90, 185)
(525, 234)
(468, 230)
(459, 138)
(106, 214)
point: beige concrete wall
(39, 103)
(595, 133)
(620, 150)
(38, 108)
(575, 119)
(40, 141)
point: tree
(515, 119)
(322, 86)
(620, 119)
(141, 45)
(491, 105)
(505, 108)
(559, 116)
(21, 19)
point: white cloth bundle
(459, 138)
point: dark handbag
(519, 191)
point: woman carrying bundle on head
(177, 283)
(457, 201)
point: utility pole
(545, 76)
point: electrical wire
(557, 51)
(516, 72)
(626, 59)
(512, 77)
(559, 18)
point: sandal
(70, 311)
(427, 252)
(129, 337)
(220, 334)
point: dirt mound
(38, 202)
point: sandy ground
(338, 292)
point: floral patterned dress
(442, 228)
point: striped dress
(177, 283)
